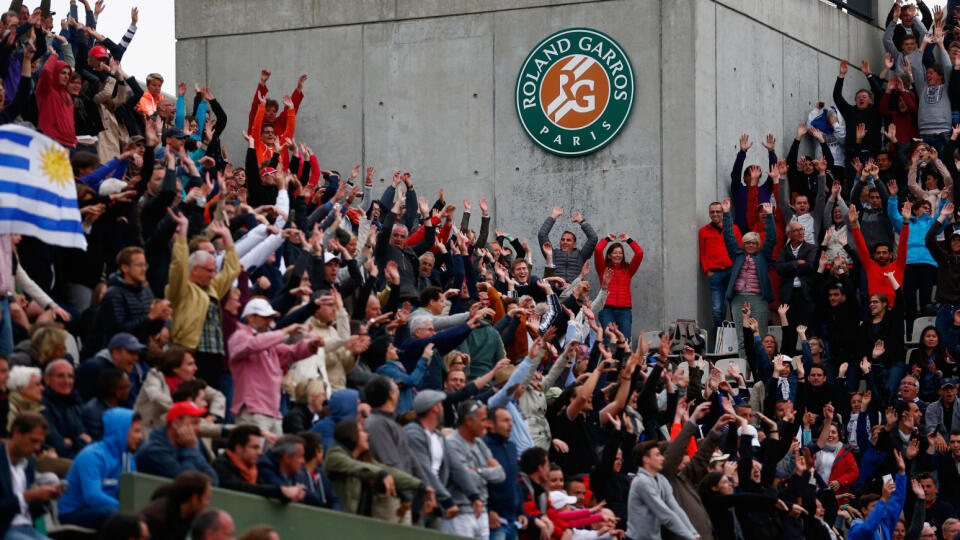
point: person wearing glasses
(128, 305)
(749, 279)
(881, 339)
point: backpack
(686, 333)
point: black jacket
(407, 258)
(788, 268)
(231, 479)
(9, 503)
(164, 520)
(298, 418)
(65, 416)
(125, 308)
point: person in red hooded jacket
(54, 103)
(619, 306)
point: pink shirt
(747, 281)
(256, 361)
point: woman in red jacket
(833, 460)
(619, 305)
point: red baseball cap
(99, 52)
(184, 408)
(267, 170)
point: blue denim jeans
(91, 517)
(226, 386)
(718, 295)
(6, 329)
(506, 530)
(23, 533)
(621, 316)
(944, 318)
(936, 141)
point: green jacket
(485, 348)
(348, 475)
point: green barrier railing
(292, 521)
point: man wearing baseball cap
(122, 352)
(424, 438)
(174, 448)
(173, 139)
(943, 416)
(257, 356)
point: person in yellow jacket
(195, 290)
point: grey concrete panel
(830, 38)
(420, 92)
(224, 17)
(679, 170)
(329, 120)
(195, 69)
(412, 9)
(800, 93)
(334, 12)
(749, 93)
(707, 186)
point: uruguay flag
(38, 196)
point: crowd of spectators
(271, 327)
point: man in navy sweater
(505, 498)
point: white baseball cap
(259, 306)
(559, 499)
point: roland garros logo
(575, 91)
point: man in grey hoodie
(934, 115)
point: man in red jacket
(715, 261)
(881, 262)
(270, 116)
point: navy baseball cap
(173, 132)
(949, 381)
(125, 340)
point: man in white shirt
(18, 504)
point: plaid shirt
(211, 338)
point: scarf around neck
(249, 474)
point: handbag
(726, 338)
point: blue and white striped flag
(38, 196)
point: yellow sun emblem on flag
(56, 165)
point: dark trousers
(209, 366)
(918, 277)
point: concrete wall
(427, 86)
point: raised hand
(878, 349)
(745, 143)
(844, 65)
(770, 143)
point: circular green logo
(575, 92)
